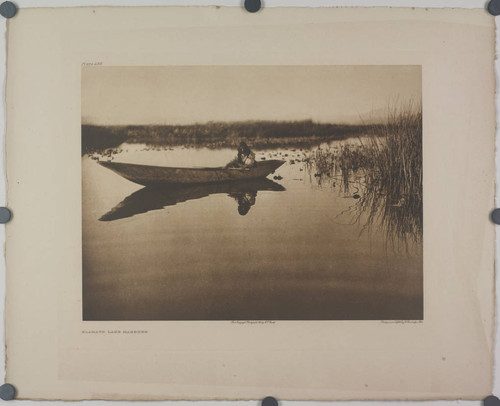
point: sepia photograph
(252, 193)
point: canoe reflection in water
(159, 197)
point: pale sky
(198, 94)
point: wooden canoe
(159, 175)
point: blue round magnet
(5, 215)
(269, 401)
(491, 401)
(252, 6)
(7, 392)
(495, 216)
(8, 9)
(494, 7)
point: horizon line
(367, 122)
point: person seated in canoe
(244, 159)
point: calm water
(292, 248)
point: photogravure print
(252, 193)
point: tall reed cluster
(393, 179)
(389, 161)
(395, 156)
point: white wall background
(235, 3)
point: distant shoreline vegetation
(258, 134)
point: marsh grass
(395, 158)
(390, 164)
